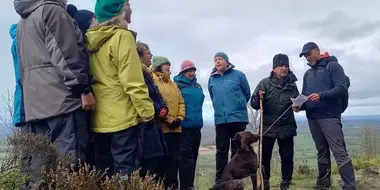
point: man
(54, 77)
(229, 92)
(277, 89)
(326, 85)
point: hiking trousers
(70, 134)
(119, 151)
(327, 134)
(173, 143)
(224, 134)
(286, 150)
(191, 140)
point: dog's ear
(241, 142)
(254, 138)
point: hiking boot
(284, 185)
(322, 184)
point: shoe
(322, 184)
(284, 186)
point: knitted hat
(187, 65)
(280, 59)
(157, 61)
(223, 55)
(107, 9)
(82, 17)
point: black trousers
(155, 166)
(173, 143)
(286, 149)
(69, 133)
(119, 151)
(224, 134)
(191, 140)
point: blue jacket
(193, 95)
(18, 102)
(229, 94)
(329, 83)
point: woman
(193, 95)
(171, 125)
(123, 103)
(229, 91)
(154, 148)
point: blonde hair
(119, 20)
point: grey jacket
(53, 68)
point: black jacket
(276, 100)
(154, 143)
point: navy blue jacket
(154, 143)
(193, 96)
(329, 83)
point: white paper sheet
(299, 100)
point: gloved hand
(175, 124)
(163, 112)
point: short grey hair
(141, 48)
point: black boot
(285, 185)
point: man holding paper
(277, 91)
(325, 83)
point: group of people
(103, 97)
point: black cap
(307, 48)
(280, 59)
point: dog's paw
(237, 184)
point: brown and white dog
(242, 165)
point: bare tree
(370, 142)
(254, 119)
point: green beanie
(107, 9)
(158, 61)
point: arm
(303, 107)
(339, 81)
(209, 88)
(128, 62)
(255, 100)
(244, 85)
(62, 44)
(181, 105)
(162, 102)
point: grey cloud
(340, 27)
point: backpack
(345, 97)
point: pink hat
(187, 65)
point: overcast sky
(251, 32)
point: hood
(13, 31)
(96, 37)
(229, 66)
(325, 58)
(25, 7)
(182, 80)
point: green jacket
(276, 101)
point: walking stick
(261, 143)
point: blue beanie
(223, 55)
(82, 17)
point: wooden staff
(261, 142)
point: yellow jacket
(173, 99)
(122, 99)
